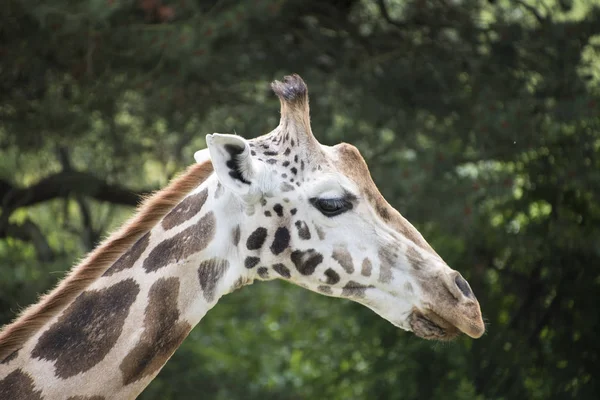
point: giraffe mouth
(431, 326)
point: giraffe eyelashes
(332, 207)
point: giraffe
(280, 206)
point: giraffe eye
(331, 207)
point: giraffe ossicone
(278, 206)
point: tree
(479, 120)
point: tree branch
(5, 187)
(62, 185)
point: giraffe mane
(149, 213)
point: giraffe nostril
(463, 286)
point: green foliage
(480, 123)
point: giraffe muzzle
(452, 311)
(431, 325)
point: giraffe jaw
(431, 326)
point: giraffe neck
(114, 338)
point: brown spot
(219, 191)
(306, 261)
(415, 258)
(251, 262)
(263, 272)
(303, 231)
(386, 260)
(18, 385)
(163, 332)
(256, 239)
(185, 210)
(342, 256)
(286, 187)
(324, 289)
(278, 209)
(187, 242)
(320, 232)
(281, 241)
(282, 270)
(366, 267)
(236, 236)
(332, 276)
(91, 325)
(127, 260)
(354, 289)
(383, 212)
(209, 274)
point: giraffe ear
(202, 156)
(232, 161)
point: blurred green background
(479, 120)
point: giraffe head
(311, 214)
